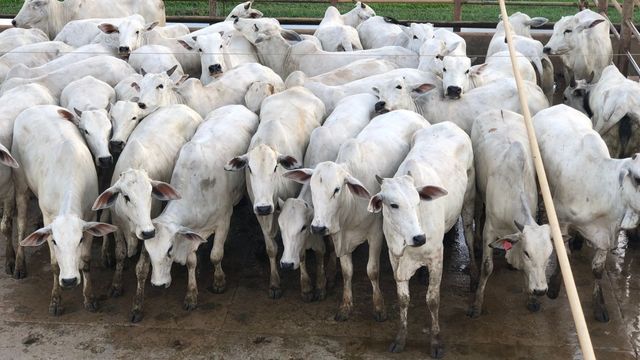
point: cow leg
(404, 297)
(305, 280)
(90, 301)
(121, 254)
(269, 230)
(485, 272)
(217, 253)
(142, 272)
(22, 206)
(191, 299)
(597, 266)
(373, 271)
(468, 215)
(55, 306)
(555, 281)
(7, 230)
(321, 277)
(347, 297)
(332, 266)
(433, 302)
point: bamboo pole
(558, 242)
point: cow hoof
(275, 293)
(217, 289)
(115, 291)
(91, 306)
(601, 315)
(437, 350)
(55, 309)
(8, 268)
(19, 273)
(533, 306)
(189, 305)
(342, 315)
(380, 316)
(474, 312)
(553, 292)
(136, 316)
(319, 294)
(396, 347)
(307, 296)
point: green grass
(421, 12)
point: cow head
(396, 94)
(125, 116)
(363, 11)
(295, 227)
(67, 234)
(399, 200)
(568, 31)
(263, 167)
(418, 34)
(171, 243)
(34, 14)
(258, 91)
(95, 126)
(332, 186)
(522, 23)
(244, 10)
(158, 90)
(454, 67)
(130, 196)
(575, 95)
(130, 33)
(258, 31)
(212, 49)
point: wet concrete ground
(243, 323)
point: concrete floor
(243, 323)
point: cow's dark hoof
(20, 272)
(91, 305)
(396, 347)
(275, 293)
(342, 315)
(217, 288)
(55, 309)
(474, 312)
(437, 350)
(601, 314)
(189, 305)
(115, 291)
(380, 316)
(319, 294)
(136, 316)
(533, 306)
(307, 296)
(553, 292)
(8, 267)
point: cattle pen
(246, 321)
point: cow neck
(60, 13)
(274, 53)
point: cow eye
(169, 251)
(275, 168)
(81, 238)
(54, 242)
(526, 254)
(138, 32)
(394, 206)
(399, 87)
(249, 167)
(200, 50)
(160, 86)
(304, 227)
(444, 69)
(220, 46)
(466, 72)
(415, 37)
(568, 31)
(86, 132)
(564, 98)
(126, 198)
(336, 190)
(134, 118)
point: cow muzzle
(69, 283)
(286, 266)
(116, 146)
(540, 292)
(546, 50)
(454, 92)
(263, 210)
(380, 108)
(146, 235)
(215, 70)
(419, 240)
(124, 51)
(320, 230)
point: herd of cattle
(340, 152)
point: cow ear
(429, 192)
(379, 179)
(37, 238)
(237, 163)
(135, 86)
(588, 24)
(290, 35)
(247, 5)
(537, 21)
(78, 112)
(108, 28)
(423, 88)
(301, 176)
(182, 79)
(150, 26)
(98, 229)
(280, 204)
(172, 70)
(451, 48)
(375, 203)
(477, 70)
(356, 187)
(185, 45)
(106, 199)
(190, 235)
(6, 158)
(519, 226)
(65, 114)
(142, 71)
(375, 90)
(288, 162)
(506, 242)
(163, 191)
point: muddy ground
(243, 323)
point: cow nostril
(142, 105)
(419, 240)
(318, 229)
(380, 105)
(123, 49)
(69, 282)
(148, 234)
(286, 266)
(14, 23)
(546, 50)
(264, 209)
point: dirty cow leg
(90, 301)
(433, 302)
(332, 266)
(269, 222)
(403, 303)
(7, 230)
(22, 203)
(597, 266)
(555, 281)
(373, 271)
(468, 211)
(347, 297)
(321, 277)
(55, 306)
(485, 272)
(142, 272)
(191, 299)
(217, 253)
(305, 280)
(121, 254)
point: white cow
(51, 16)
(16, 39)
(583, 43)
(286, 122)
(141, 173)
(242, 10)
(277, 53)
(356, 70)
(50, 149)
(506, 182)
(379, 31)
(232, 88)
(128, 88)
(11, 105)
(81, 53)
(130, 33)
(340, 191)
(125, 116)
(106, 68)
(607, 199)
(32, 55)
(155, 59)
(521, 25)
(90, 99)
(500, 94)
(351, 115)
(439, 164)
(184, 224)
(334, 35)
(613, 104)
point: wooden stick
(558, 242)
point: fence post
(603, 6)
(213, 8)
(334, 3)
(457, 13)
(625, 37)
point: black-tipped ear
(379, 179)
(171, 70)
(66, 115)
(431, 192)
(142, 72)
(78, 112)
(288, 162)
(375, 204)
(237, 163)
(519, 226)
